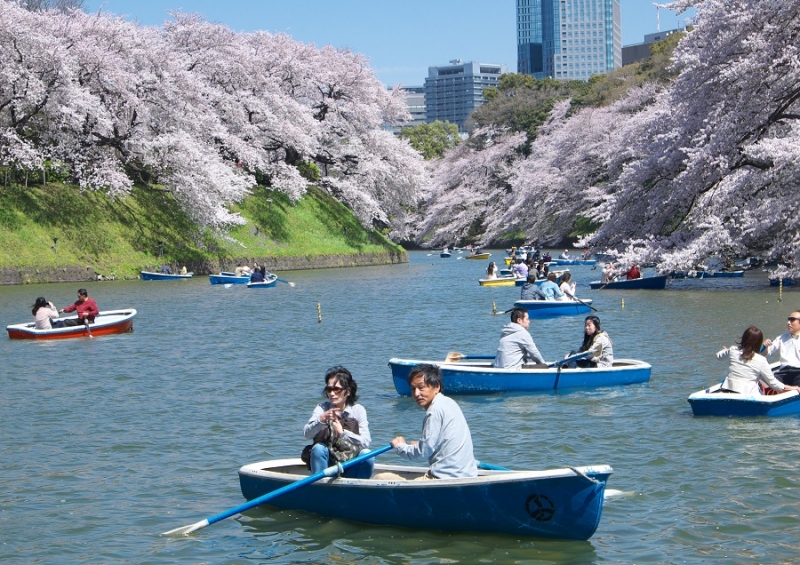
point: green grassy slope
(122, 236)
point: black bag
(340, 448)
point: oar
(329, 472)
(576, 357)
(283, 281)
(86, 323)
(503, 312)
(228, 285)
(454, 356)
(575, 298)
(490, 467)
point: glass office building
(452, 92)
(568, 39)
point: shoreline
(75, 273)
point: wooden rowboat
(477, 375)
(106, 323)
(151, 276)
(657, 282)
(553, 504)
(712, 402)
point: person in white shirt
(788, 345)
(747, 367)
(567, 287)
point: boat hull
(228, 279)
(266, 284)
(483, 378)
(479, 256)
(552, 308)
(658, 282)
(573, 262)
(106, 323)
(554, 504)
(499, 281)
(710, 403)
(444, 255)
(786, 282)
(149, 276)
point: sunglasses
(336, 389)
(792, 319)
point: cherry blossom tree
(198, 110)
(707, 166)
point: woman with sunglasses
(748, 367)
(339, 411)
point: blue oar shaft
(329, 472)
(490, 467)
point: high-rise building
(452, 92)
(568, 39)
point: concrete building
(452, 92)
(415, 100)
(568, 39)
(640, 51)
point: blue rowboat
(573, 262)
(551, 308)
(269, 283)
(476, 376)
(657, 282)
(228, 278)
(150, 276)
(776, 281)
(552, 504)
(710, 402)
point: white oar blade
(614, 493)
(186, 530)
(228, 285)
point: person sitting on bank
(748, 367)
(86, 307)
(788, 345)
(257, 277)
(550, 288)
(446, 442)
(516, 344)
(531, 290)
(43, 312)
(598, 343)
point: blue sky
(402, 39)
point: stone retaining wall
(82, 274)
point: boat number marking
(540, 507)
